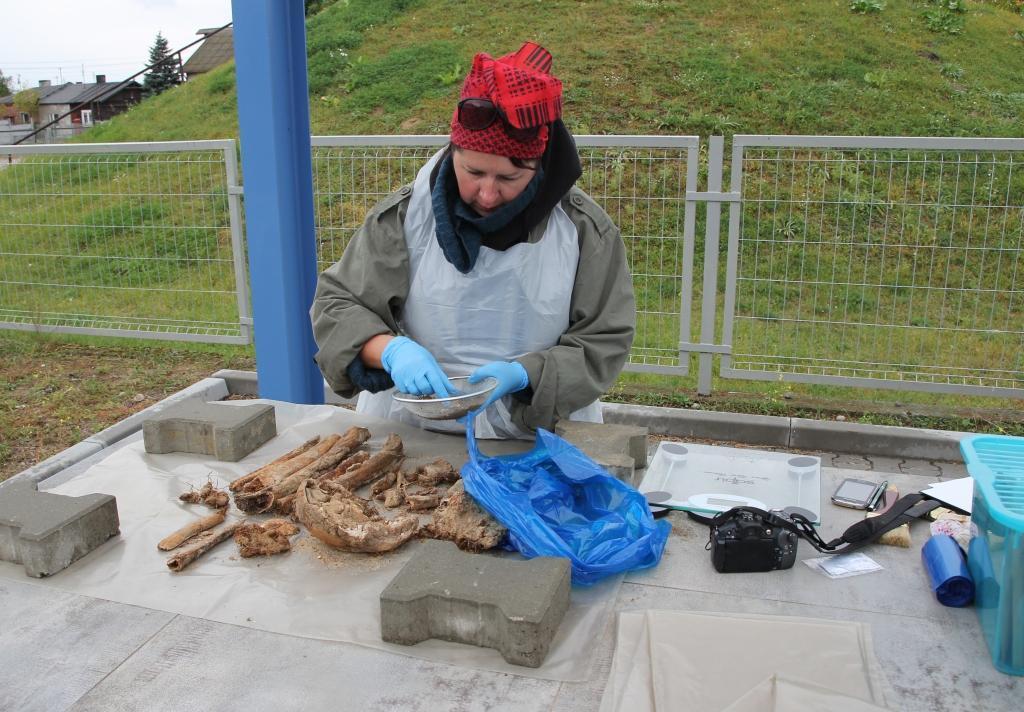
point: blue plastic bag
(556, 501)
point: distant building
(213, 52)
(92, 102)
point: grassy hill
(648, 67)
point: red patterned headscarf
(522, 86)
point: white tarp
(671, 660)
(312, 591)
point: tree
(6, 84)
(27, 101)
(167, 73)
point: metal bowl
(471, 396)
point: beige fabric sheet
(671, 660)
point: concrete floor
(64, 651)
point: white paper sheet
(956, 493)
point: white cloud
(72, 40)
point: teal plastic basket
(996, 553)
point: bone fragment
(422, 500)
(382, 485)
(356, 458)
(434, 473)
(391, 454)
(208, 495)
(328, 462)
(346, 521)
(257, 495)
(255, 502)
(460, 519)
(266, 539)
(200, 545)
(285, 505)
(395, 496)
(237, 483)
(173, 541)
(273, 473)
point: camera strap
(906, 509)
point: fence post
(235, 193)
(710, 289)
(273, 120)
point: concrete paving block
(227, 432)
(618, 466)
(512, 606)
(600, 438)
(47, 531)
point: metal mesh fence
(899, 265)
(642, 187)
(128, 239)
(871, 261)
(349, 180)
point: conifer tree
(166, 74)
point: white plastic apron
(511, 303)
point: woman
(489, 264)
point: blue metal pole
(273, 119)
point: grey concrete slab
(931, 470)
(853, 462)
(951, 470)
(512, 606)
(56, 646)
(198, 665)
(884, 463)
(929, 665)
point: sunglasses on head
(478, 114)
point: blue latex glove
(413, 369)
(511, 377)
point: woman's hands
(511, 377)
(414, 369)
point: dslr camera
(748, 539)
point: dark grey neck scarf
(460, 231)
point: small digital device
(858, 494)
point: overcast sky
(74, 40)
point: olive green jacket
(362, 295)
